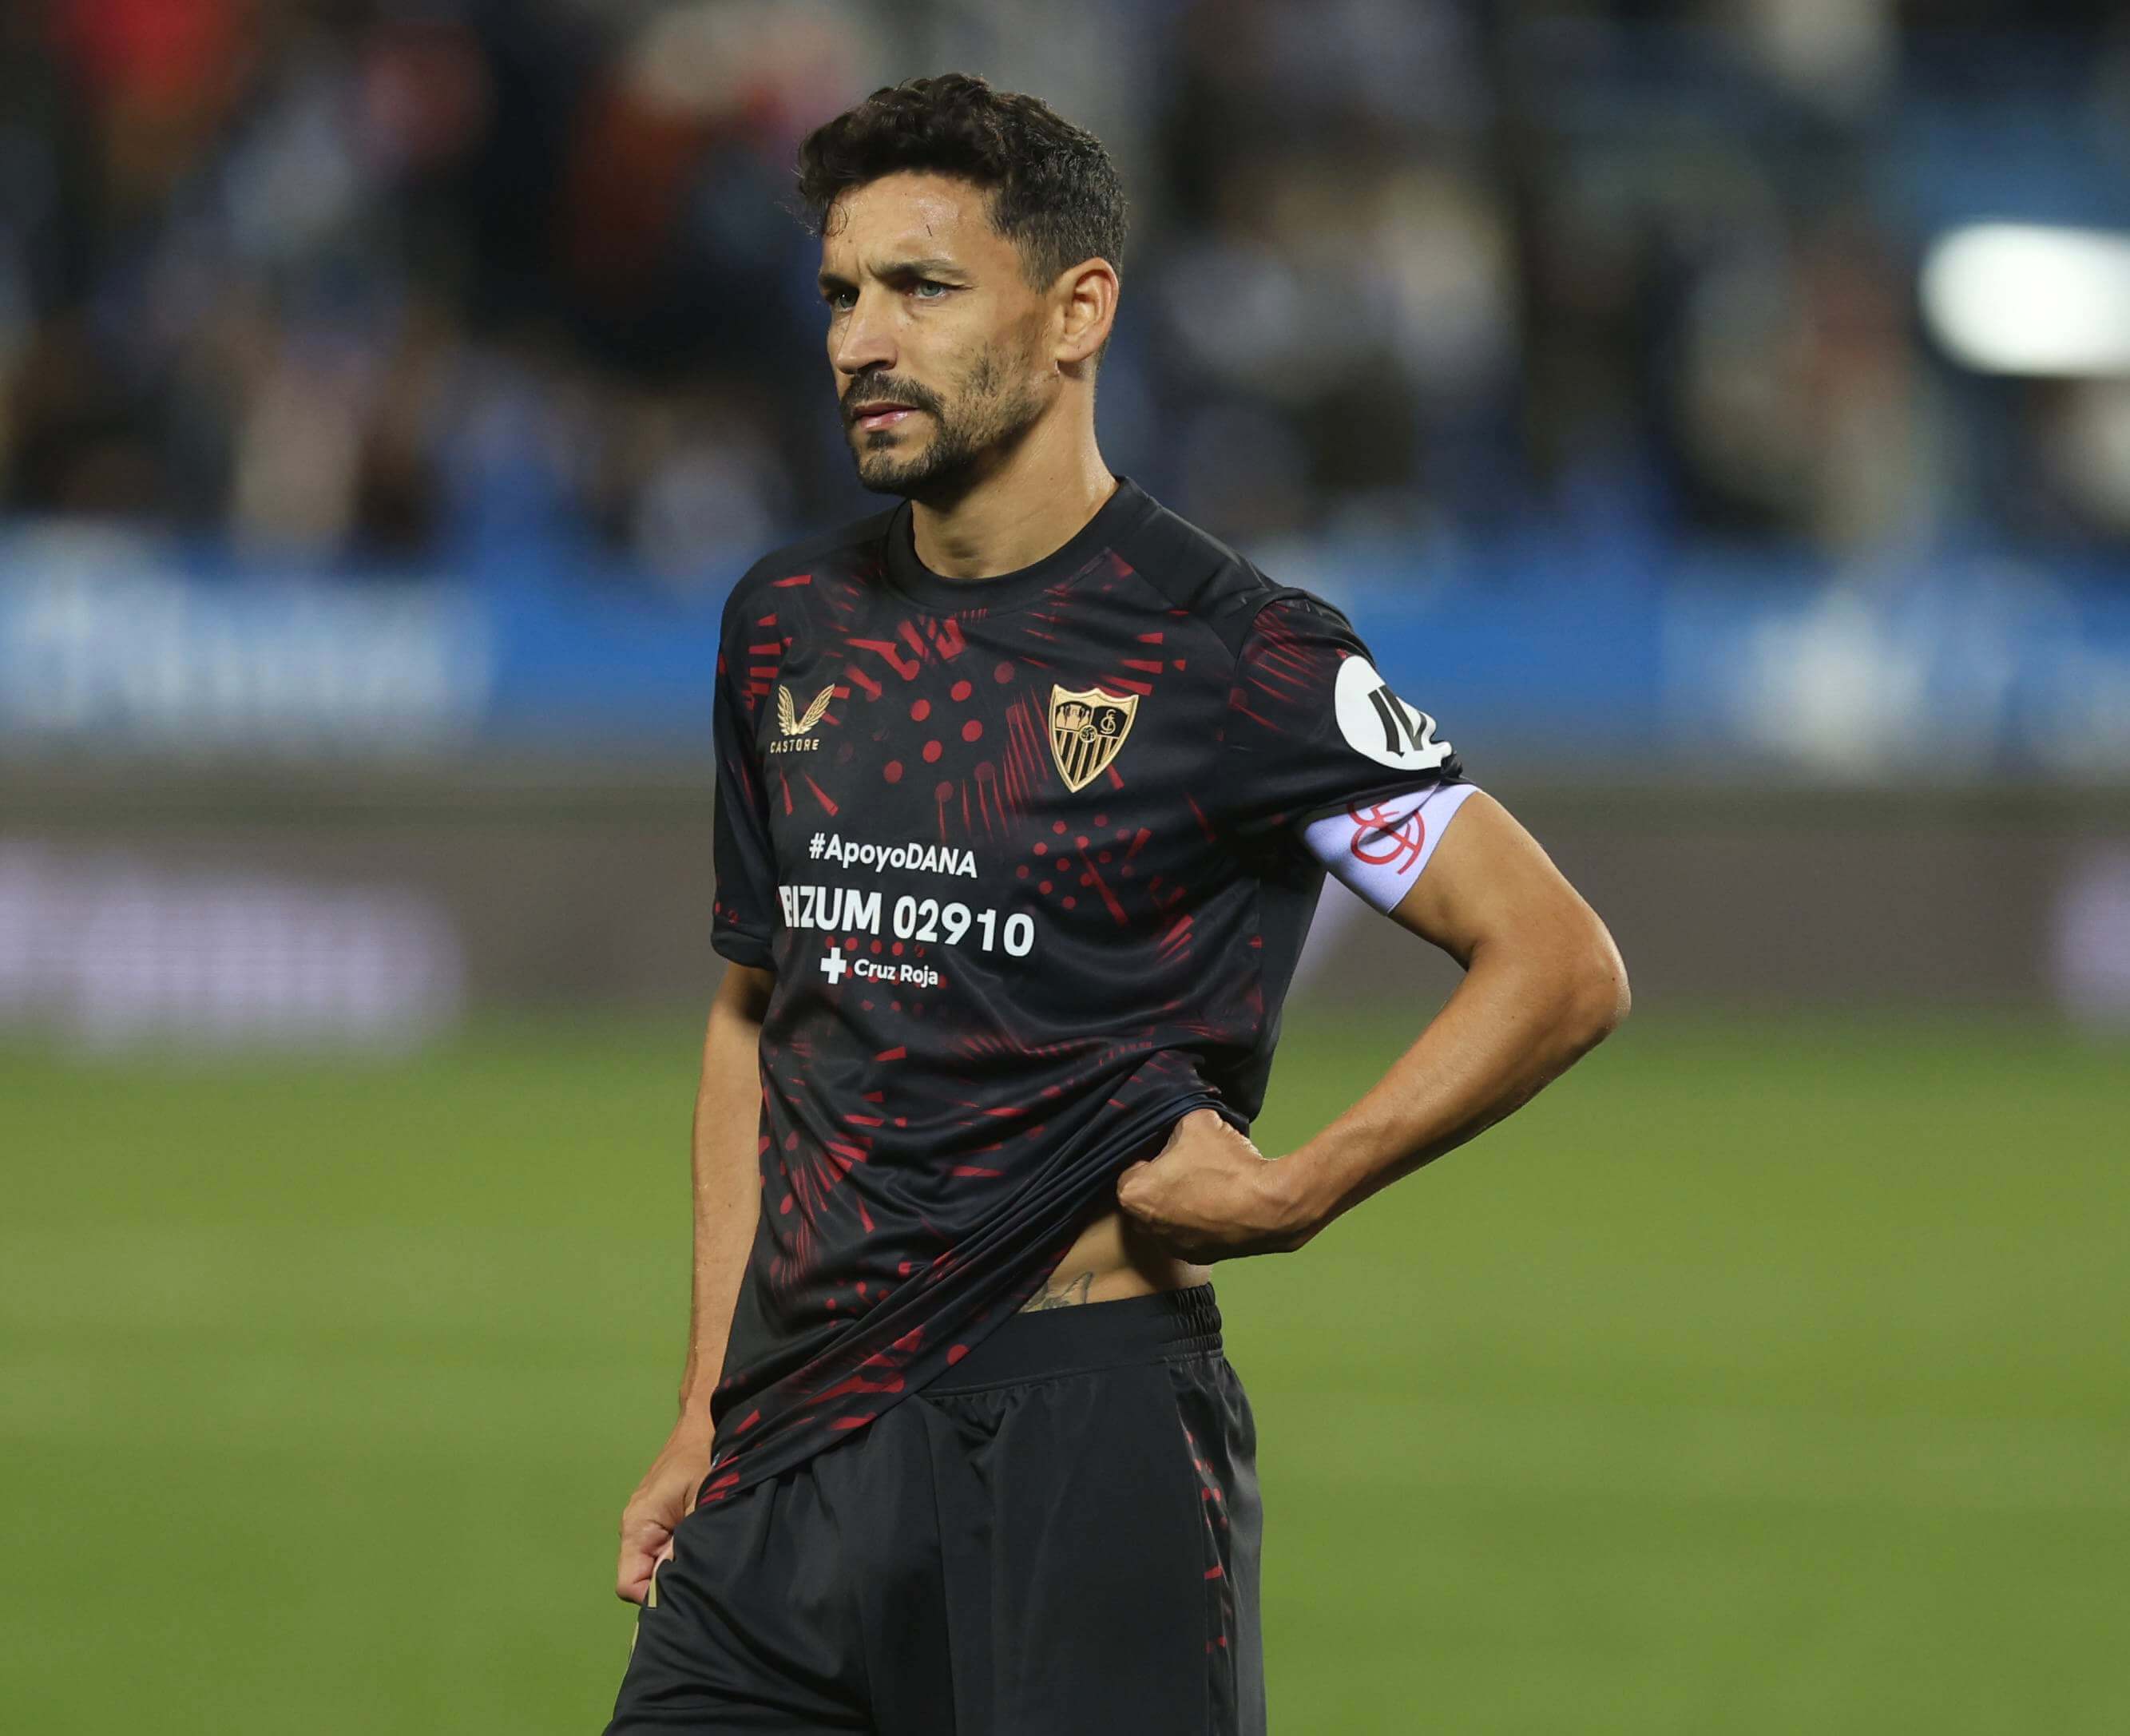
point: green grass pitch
(1764, 1376)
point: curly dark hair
(1054, 192)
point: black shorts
(1060, 1534)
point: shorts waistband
(1157, 1328)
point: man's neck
(1036, 503)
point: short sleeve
(1312, 727)
(744, 909)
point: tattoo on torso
(1069, 1293)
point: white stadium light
(2020, 298)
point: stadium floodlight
(2023, 298)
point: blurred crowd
(386, 284)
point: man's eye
(923, 289)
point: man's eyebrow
(898, 267)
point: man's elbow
(1595, 996)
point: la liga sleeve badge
(1087, 730)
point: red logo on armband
(1381, 839)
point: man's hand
(1211, 1195)
(660, 1501)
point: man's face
(936, 337)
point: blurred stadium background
(1718, 414)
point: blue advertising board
(1543, 651)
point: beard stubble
(984, 421)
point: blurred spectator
(373, 283)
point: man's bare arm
(1543, 984)
(727, 1199)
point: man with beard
(1026, 790)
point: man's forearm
(1521, 1017)
(728, 1191)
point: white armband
(1379, 849)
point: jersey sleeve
(1313, 730)
(743, 907)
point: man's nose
(865, 340)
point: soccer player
(1026, 790)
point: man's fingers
(639, 1571)
(644, 1545)
(1130, 1184)
(639, 1565)
(633, 1573)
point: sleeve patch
(1375, 722)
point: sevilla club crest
(1087, 729)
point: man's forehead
(908, 217)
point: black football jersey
(1023, 855)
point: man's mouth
(867, 417)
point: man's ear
(1086, 295)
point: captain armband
(1379, 848)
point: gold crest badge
(1087, 729)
